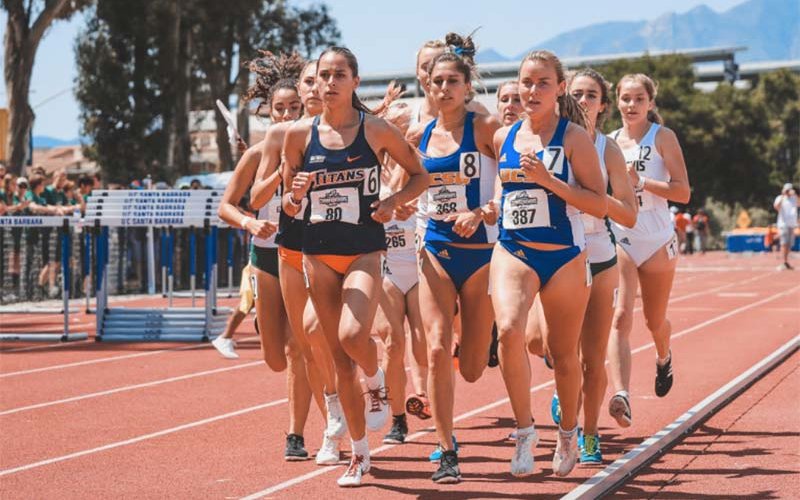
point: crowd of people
(491, 234)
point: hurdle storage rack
(166, 209)
(67, 225)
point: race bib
(553, 158)
(272, 210)
(645, 200)
(469, 165)
(526, 208)
(446, 200)
(335, 205)
(398, 238)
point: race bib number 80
(526, 208)
(335, 205)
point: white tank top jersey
(270, 212)
(647, 162)
(592, 224)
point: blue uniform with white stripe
(531, 213)
(459, 182)
(345, 183)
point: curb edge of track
(629, 465)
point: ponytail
(654, 117)
(569, 108)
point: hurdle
(64, 222)
(166, 209)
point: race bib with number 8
(335, 205)
(469, 165)
(525, 209)
(446, 200)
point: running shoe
(328, 453)
(620, 409)
(555, 409)
(399, 430)
(359, 465)
(419, 406)
(589, 445)
(566, 455)
(225, 347)
(336, 425)
(295, 448)
(448, 472)
(376, 409)
(522, 461)
(436, 454)
(664, 377)
(494, 359)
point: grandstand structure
(711, 65)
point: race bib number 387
(335, 205)
(526, 208)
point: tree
(27, 23)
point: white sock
(360, 447)
(374, 382)
(623, 394)
(567, 433)
(663, 361)
(526, 431)
(331, 398)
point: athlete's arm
(385, 138)
(589, 195)
(295, 183)
(267, 177)
(677, 188)
(622, 206)
(240, 181)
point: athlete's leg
(271, 320)
(594, 343)
(418, 359)
(564, 300)
(513, 285)
(390, 326)
(477, 317)
(619, 348)
(655, 279)
(437, 298)
(534, 329)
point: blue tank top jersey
(530, 212)
(345, 182)
(456, 185)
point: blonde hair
(568, 107)
(650, 86)
(430, 44)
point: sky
(383, 34)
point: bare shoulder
(577, 134)
(299, 130)
(477, 107)
(500, 136)
(666, 136)
(486, 122)
(415, 132)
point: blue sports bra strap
(558, 138)
(315, 130)
(426, 136)
(469, 134)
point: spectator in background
(700, 223)
(688, 248)
(786, 204)
(85, 186)
(97, 181)
(680, 227)
(195, 184)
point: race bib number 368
(526, 208)
(446, 200)
(335, 205)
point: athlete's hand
(490, 212)
(466, 223)
(383, 209)
(403, 212)
(241, 145)
(300, 185)
(261, 228)
(534, 169)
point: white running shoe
(566, 455)
(225, 347)
(359, 465)
(376, 407)
(336, 424)
(522, 461)
(328, 453)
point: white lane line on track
(129, 388)
(299, 479)
(144, 437)
(282, 401)
(47, 346)
(199, 346)
(113, 358)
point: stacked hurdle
(166, 209)
(65, 223)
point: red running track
(153, 421)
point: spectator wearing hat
(786, 205)
(701, 231)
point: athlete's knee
(471, 372)
(655, 325)
(622, 323)
(594, 370)
(509, 334)
(277, 360)
(351, 337)
(395, 349)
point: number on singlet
(333, 214)
(470, 165)
(556, 152)
(373, 181)
(641, 201)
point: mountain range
(770, 29)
